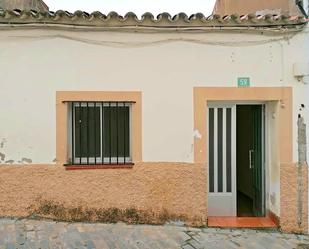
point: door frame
(224, 104)
(282, 97)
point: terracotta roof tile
(163, 20)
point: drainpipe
(302, 161)
(307, 122)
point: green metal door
(256, 160)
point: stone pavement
(47, 234)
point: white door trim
(222, 203)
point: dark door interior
(249, 161)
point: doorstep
(241, 222)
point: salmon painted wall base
(178, 188)
(294, 198)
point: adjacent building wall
(37, 5)
(262, 7)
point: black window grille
(100, 133)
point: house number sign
(243, 82)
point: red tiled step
(241, 222)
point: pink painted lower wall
(294, 198)
(179, 188)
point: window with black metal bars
(100, 133)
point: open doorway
(236, 152)
(249, 161)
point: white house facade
(185, 114)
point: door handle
(250, 159)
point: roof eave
(165, 21)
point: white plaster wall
(272, 158)
(34, 64)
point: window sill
(98, 166)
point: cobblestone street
(47, 234)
